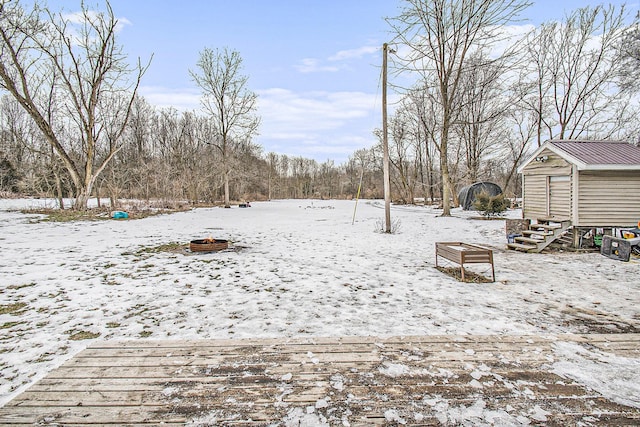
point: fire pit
(208, 245)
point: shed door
(559, 196)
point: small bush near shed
(490, 205)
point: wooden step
(537, 233)
(520, 247)
(546, 226)
(547, 220)
(544, 220)
(540, 234)
(528, 240)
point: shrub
(490, 205)
(381, 226)
(9, 177)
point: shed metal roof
(601, 152)
(593, 155)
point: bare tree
(630, 57)
(67, 71)
(303, 174)
(328, 180)
(16, 130)
(440, 36)
(484, 103)
(571, 83)
(402, 154)
(272, 173)
(139, 127)
(360, 174)
(228, 101)
(426, 135)
(524, 125)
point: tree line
(472, 104)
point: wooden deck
(351, 381)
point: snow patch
(394, 369)
(170, 391)
(287, 377)
(322, 403)
(392, 415)
(615, 377)
(475, 414)
(298, 417)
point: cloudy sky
(315, 64)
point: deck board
(357, 381)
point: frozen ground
(297, 268)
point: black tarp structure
(467, 196)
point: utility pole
(385, 144)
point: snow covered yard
(298, 268)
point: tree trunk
(59, 191)
(83, 193)
(82, 199)
(446, 187)
(444, 166)
(226, 189)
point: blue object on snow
(119, 215)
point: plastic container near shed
(597, 240)
(119, 215)
(616, 248)
(511, 238)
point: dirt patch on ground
(580, 320)
(597, 322)
(469, 276)
(179, 248)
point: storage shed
(589, 183)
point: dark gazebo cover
(467, 196)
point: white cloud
(180, 99)
(313, 111)
(78, 18)
(121, 23)
(312, 65)
(355, 53)
(314, 124)
(74, 23)
(508, 36)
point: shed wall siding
(554, 165)
(609, 199)
(560, 197)
(536, 186)
(535, 196)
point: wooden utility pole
(385, 144)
